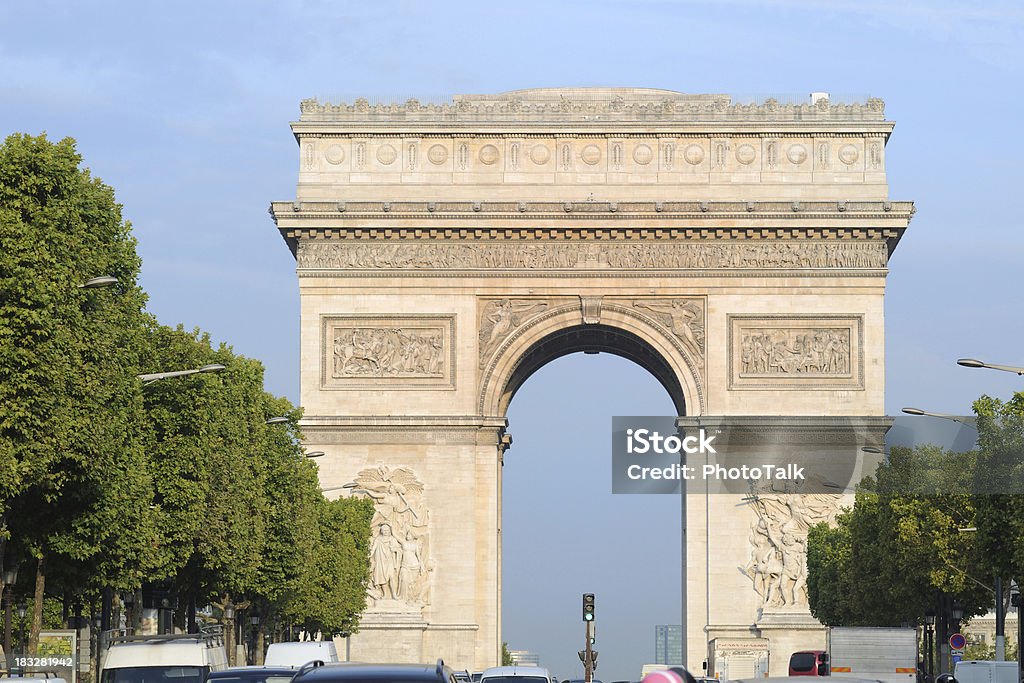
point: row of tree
(109, 484)
(930, 526)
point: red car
(808, 663)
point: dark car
(252, 674)
(342, 672)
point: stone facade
(446, 251)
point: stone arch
(620, 330)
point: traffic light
(588, 607)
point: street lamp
(10, 578)
(22, 610)
(314, 454)
(154, 376)
(962, 419)
(974, 363)
(99, 282)
(229, 631)
(278, 420)
(929, 643)
(875, 450)
(129, 609)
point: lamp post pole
(929, 645)
(1018, 601)
(229, 631)
(1000, 622)
(10, 578)
(22, 637)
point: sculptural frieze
(505, 256)
(400, 565)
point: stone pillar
(435, 588)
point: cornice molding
(589, 106)
(589, 210)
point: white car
(295, 654)
(516, 674)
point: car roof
(515, 670)
(236, 670)
(336, 671)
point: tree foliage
(74, 483)
(331, 592)
(999, 481)
(900, 544)
(105, 483)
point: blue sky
(184, 108)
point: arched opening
(595, 339)
(563, 532)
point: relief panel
(396, 352)
(796, 352)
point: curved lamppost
(974, 363)
(962, 419)
(156, 376)
(99, 282)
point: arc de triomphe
(447, 251)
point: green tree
(899, 546)
(73, 478)
(999, 483)
(506, 656)
(331, 594)
(208, 438)
(293, 517)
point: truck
(973, 671)
(878, 653)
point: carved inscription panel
(796, 352)
(393, 351)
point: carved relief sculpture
(796, 352)
(400, 568)
(500, 318)
(388, 352)
(777, 565)
(821, 351)
(684, 317)
(722, 255)
(361, 351)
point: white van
(185, 658)
(295, 654)
(973, 671)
